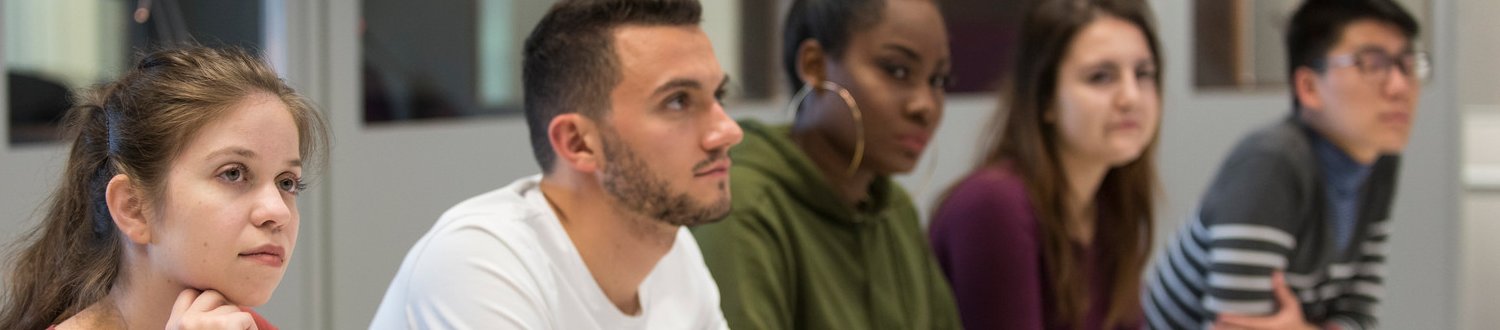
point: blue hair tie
(112, 131)
(104, 223)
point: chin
(1393, 149)
(1395, 145)
(718, 206)
(899, 164)
(255, 292)
(1124, 157)
(261, 295)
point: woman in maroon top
(177, 207)
(1052, 228)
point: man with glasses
(1291, 234)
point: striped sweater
(1266, 211)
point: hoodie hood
(767, 158)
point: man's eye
(677, 102)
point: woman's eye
(291, 185)
(899, 73)
(233, 174)
(942, 82)
(1101, 77)
(1145, 74)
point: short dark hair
(570, 63)
(1319, 24)
(830, 22)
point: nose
(926, 106)
(1130, 92)
(723, 132)
(1400, 83)
(270, 209)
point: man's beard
(630, 181)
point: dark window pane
(54, 47)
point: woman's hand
(1288, 317)
(195, 310)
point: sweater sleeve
(754, 282)
(985, 239)
(1248, 219)
(1356, 309)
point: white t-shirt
(501, 260)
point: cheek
(196, 245)
(668, 156)
(878, 98)
(1152, 113)
(213, 226)
(292, 227)
(1080, 120)
(1352, 102)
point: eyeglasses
(1376, 65)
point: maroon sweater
(988, 242)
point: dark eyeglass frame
(1376, 64)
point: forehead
(1108, 36)
(1369, 33)
(260, 122)
(652, 55)
(915, 24)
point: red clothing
(260, 321)
(988, 241)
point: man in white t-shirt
(622, 100)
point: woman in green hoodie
(819, 236)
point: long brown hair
(135, 126)
(1127, 194)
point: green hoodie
(791, 255)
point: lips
(717, 168)
(1396, 117)
(914, 142)
(1127, 124)
(268, 254)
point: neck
(1083, 178)
(619, 246)
(139, 299)
(833, 164)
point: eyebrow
(1408, 48)
(907, 51)
(685, 83)
(246, 153)
(723, 85)
(912, 54)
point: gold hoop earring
(859, 118)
